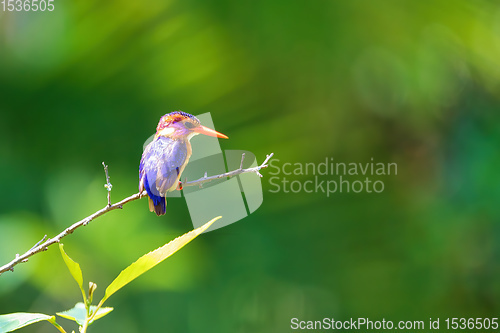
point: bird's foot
(179, 186)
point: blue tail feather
(159, 202)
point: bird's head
(182, 125)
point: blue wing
(162, 163)
(161, 166)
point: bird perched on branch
(164, 159)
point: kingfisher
(164, 159)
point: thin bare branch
(65, 232)
(242, 159)
(43, 244)
(108, 185)
(236, 172)
(38, 243)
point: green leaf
(74, 268)
(13, 321)
(78, 313)
(148, 261)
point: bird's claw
(179, 186)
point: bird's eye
(189, 125)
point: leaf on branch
(78, 313)
(153, 258)
(13, 321)
(74, 269)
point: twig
(65, 232)
(242, 159)
(38, 243)
(108, 185)
(119, 205)
(236, 172)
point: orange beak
(210, 132)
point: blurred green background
(410, 82)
